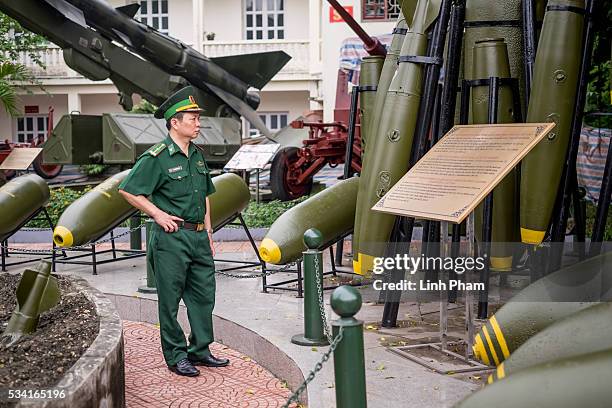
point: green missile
(19, 198)
(232, 195)
(368, 81)
(553, 96)
(490, 59)
(582, 381)
(37, 292)
(90, 216)
(331, 211)
(389, 158)
(542, 303)
(386, 75)
(101, 208)
(495, 19)
(584, 332)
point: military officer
(175, 176)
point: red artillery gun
(293, 168)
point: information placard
(460, 170)
(250, 157)
(20, 158)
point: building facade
(308, 30)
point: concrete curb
(42, 236)
(97, 379)
(227, 332)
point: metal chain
(258, 275)
(318, 278)
(84, 246)
(332, 347)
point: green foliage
(10, 72)
(144, 106)
(58, 201)
(16, 40)
(598, 91)
(93, 169)
(262, 215)
(591, 210)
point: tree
(16, 41)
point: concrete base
(302, 340)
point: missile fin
(130, 10)
(255, 70)
(69, 11)
(242, 108)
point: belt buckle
(200, 227)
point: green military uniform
(184, 268)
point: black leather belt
(192, 226)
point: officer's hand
(167, 221)
(212, 247)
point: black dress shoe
(211, 361)
(184, 367)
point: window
(31, 127)
(273, 120)
(154, 13)
(380, 9)
(264, 20)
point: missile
(490, 59)
(37, 292)
(553, 97)
(582, 381)
(93, 214)
(389, 158)
(331, 211)
(584, 332)
(228, 78)
(495, 19)
(231, 197)
(542, 303)
(19, 199)
(102, 208)
(386, 75)
(368, 81)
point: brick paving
(149, 383)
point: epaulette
(157, 149)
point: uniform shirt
(177, 184)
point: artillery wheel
(46, 171)
(281, 183)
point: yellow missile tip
(532, 237)
(269, 251)
(364, 264)
(503, 264)
(62, 236)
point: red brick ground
(149, 383)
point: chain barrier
(260, 274)
(72, 248)
(318, 277)
(332, 347)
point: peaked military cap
(181, 101)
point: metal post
(151, 286)
(469, 306)
(487, 218)
(568, 184)
(257, 186)
(443, 293)
(349, 360)
(135, 235)
(314, 329)
(529, 44)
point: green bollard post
(136, 235)
(349, 361)
(314, 332)
(151, 286)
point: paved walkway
(149, 383)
